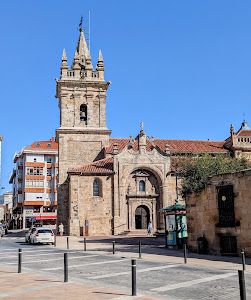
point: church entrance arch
(142, 217)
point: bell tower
(83, 133)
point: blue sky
(181, 67)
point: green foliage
(195, 171)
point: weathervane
(80, 24)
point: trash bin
(81, 231)
(202, 245)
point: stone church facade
(111, 185)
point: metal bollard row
(139, 249)
(65, 267)
(134, 293)
(242, 285)
(67, 243)
(185, 253)
(19, 261)
(243, 260)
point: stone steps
(138, 232)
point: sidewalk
(34, 286)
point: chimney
(53, 139)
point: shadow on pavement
(155, 245)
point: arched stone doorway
(143, 191)
(142, 217)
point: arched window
(142, 186)
(83, 113)
(96, 188)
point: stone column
(154, 208)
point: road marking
(48, 261)
(192, 282)
(24, 250)
(83, 265)
(129, 272)
(37, 288)
(35, 251)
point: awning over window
(46, 217)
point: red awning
(46, 217)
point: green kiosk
(175, 225)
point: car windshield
(45, 231)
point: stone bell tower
(83, 133)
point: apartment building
(6, 200)
(34, 180)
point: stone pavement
(128, 246)
(34, 286)
(37, 286)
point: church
(111, 186)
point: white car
(42, 235)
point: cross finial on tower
(142, 126)
(81, 24)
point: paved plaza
(99, 274)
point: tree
(195, 170)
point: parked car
(28, 234)
(37, 225)
(42, 235)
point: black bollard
(67, 243)
(84, 244)
(65, 267)
(185, 253)
(242, 285)
(139, 249)
(113, 247)
(55, 238)
(133, 277)
(19, 260)
(243, 260)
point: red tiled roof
(101, 166)
(244, 133)
(43, 145)
(180, 146)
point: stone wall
(75, 150)
(203, 215)
(97, 210)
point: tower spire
(82, 51)
(100, 64)
(64, 65)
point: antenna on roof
(244, 116)
(90, 31)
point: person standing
(61, 229)
(149, 231)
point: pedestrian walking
(149, 229)
(61, 229)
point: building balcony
(12, 176)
